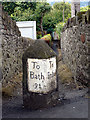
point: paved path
(70, 108)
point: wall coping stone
(80, 19)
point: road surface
(75, 108)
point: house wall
(27, 28)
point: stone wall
(75, 46)
(13, 47)
(0, 40)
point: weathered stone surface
(44, 91)
(39, 50)
(75, 47)
(81, 19)
(12, 47)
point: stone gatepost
(40, 83)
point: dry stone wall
(75, 46)
(13, 47)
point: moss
(84, 13)
(9, 89)
(40, 50)
(79, 14)
(27, 38)
(64, 73)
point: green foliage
(41, 10)
(52, 18)
(20, 15)
(56, 15)
(63, 5)
(46, 17)
(26, 5)
(58, 28)
(84, 8)
(9, 7)
(39, 36)
(46, 37)
(59, 6)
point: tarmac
(73, 105)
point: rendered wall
(27, 28)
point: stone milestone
(40, 83)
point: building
(27, 28)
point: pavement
(74, 105)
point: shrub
(58, 28)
